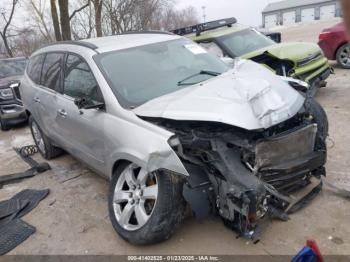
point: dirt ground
(73, 219)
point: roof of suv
(116, 42)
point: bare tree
(27, 41)
(126, 15)
(55, 20)
(64, 19)
(37, 11)
(172, 19)
(120, 15)
(82, 24)
(4, 32)
(62, 25)
(98, 16)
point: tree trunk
(64, 18)
(56, 23)
(7, 47)
(98, 17)
(3, 33)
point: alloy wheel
(135, 197)
(345, 56)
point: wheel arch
(118, 163)
(152, 162)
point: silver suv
(168, 124)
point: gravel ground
(73, 219)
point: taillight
(324, 35)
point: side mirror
(228, 61)
(85, 103)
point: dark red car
(334, 43)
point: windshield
(12, 67)
(244, 42)
(140, 74)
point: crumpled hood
(248, 96)
(289, 51)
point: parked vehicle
(335, 45)
(11, 108)
(303, 61)
(169, 123)
(275, 36)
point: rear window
(51, 76)
(34, 68)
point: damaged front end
(247, 175)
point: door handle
(36, 100)
(62, 112)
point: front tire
(320, 118)
(46, 149)
(343, 56)
(145, 208)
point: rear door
(30, 86)
(51, 85)
(82, 131)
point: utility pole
(204, 15)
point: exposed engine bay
(246, 175)
(280, 66)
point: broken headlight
(296, 84)
(6, 93)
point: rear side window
(79, 82)
(34, 68)
(51, 76)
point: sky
(246, 11)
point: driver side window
(79, 81)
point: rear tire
(343, 56)
(46, 149)
(4, 126)
(165, 216)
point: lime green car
(226, 38)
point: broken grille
(283, 161)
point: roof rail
(76, 42)
(205, 26)
(147, 32)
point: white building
(294, 11)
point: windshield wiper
(202, 72)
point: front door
(81, 130)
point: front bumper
(13, 113)
(313, 71)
